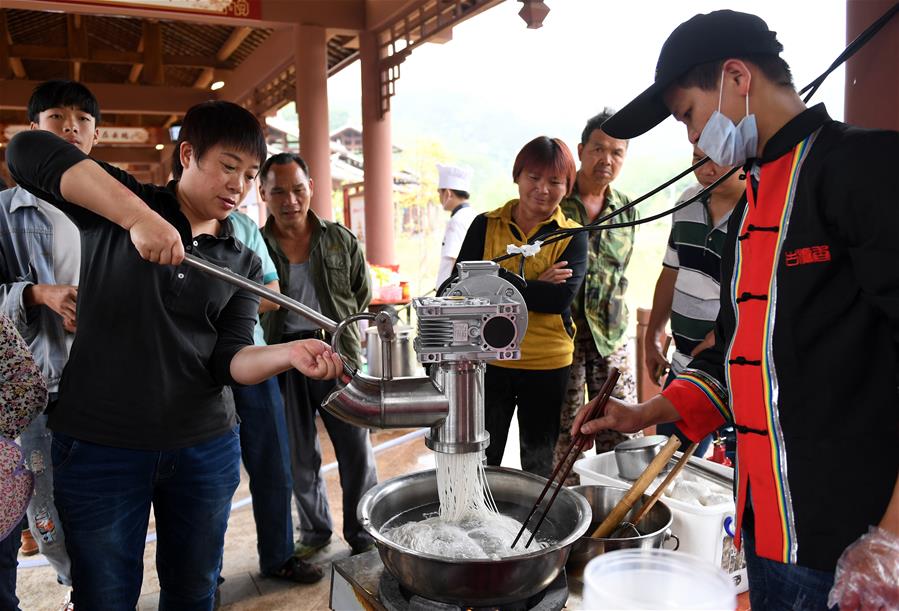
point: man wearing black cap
(810, 273)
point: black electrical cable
(564, 233)
(682, 204)
(850, 50)
(561, 234)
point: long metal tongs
(574, 450)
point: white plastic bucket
(656, 579)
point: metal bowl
(474, 582)
(634, 455)
(655, 527)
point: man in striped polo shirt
(688, 288)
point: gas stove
(361, 582)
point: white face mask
(725, 143)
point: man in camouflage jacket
(599, 311)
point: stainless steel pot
(403, 362)
(473, 582)
(634, 455)
(655, 526)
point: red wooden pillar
(378, 153)
(872, 74)
(311, 69)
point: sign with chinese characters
(108, 135)
(246, 9)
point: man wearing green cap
(810, 274)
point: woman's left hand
(556, 273)
(314, 359)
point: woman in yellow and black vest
(544, 171)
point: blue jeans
(266, 457)
(775, 586)
(43, 519)
(103, 495)
(9, 551)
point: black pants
(355, 461)
(538, 395)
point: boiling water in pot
(468, 524)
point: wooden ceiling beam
(76, 38)
(117, 98)
(76, 44)
(268, 60)
(346, 14)
(111, 56)
(154, 69)
(5, 67)
(235, 39)
(137, 68)
(7, 61)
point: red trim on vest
(748, 383)
(698, 413)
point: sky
(510, 84)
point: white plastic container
(704, 531)
(656, 579)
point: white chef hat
(453, 177)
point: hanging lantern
(533, 12)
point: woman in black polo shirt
(141, 415)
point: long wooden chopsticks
(672, 475)
(575, 448)
(636, 490)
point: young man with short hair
(142, 418)
(40, 262)
(806, 358)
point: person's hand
(707, 342)
(655, 360)
(69, 324)
(619, 416)
(314, 359)
(156, 239)
(867, 575)
(60, 298)
(556, 273)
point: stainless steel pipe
(396, 403)
(463, 429)
(282, 300)
(365, 401)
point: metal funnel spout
(388, 404)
